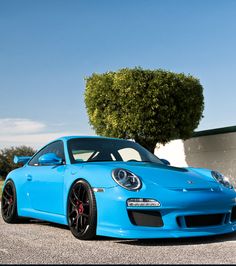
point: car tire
(9, 203)
(82, 210)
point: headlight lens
(221, 179)
(126, 179)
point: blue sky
(48, 47)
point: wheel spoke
(83, 195)
(79, 190)
(74, 193)
(72, 211)
(8, 210)
(8, 194)
(77, 223)
(11, 207)
(4, 197)
(71, 201)
(5, 204)
(77, 193)
(73, 221)
(81, 222)
(4, 211)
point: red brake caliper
(80, 207)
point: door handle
(29, 177)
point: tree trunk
(147, 144)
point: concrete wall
(217, 152)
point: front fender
(97, 176)
(204, 172)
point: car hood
(162, 175)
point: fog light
(143, 203)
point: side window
(55, 147)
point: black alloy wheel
(82, 211)
(9, 203)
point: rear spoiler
(21, 159)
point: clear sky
(48, 47)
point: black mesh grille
(204, 220)
(145, 218)
(233, 214)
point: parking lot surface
(42, 242)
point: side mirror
(50, 159)
(165, 161)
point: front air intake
(233, 214)
(145, 218)
(203, 220)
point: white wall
(173, 152)
(216, 152)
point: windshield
(99, 149)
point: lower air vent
(233, 214)
(145, 218)
(204, 220)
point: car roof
(65, 138)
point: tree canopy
(7, 155)
(149, 106)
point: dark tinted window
(96, 149)
(55, 147)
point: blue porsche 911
(115, 187)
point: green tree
(7, 155)
(149, 106)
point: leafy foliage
(149, 106)
(7, 155)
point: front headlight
(126, 179)
(221, 179)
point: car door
(47, 181)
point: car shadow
(44, 223)
(149, 242)
(180, 241)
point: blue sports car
(115, 187)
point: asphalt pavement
(42, 242)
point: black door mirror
(166, 162)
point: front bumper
(113, 219)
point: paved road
(41, 242)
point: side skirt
(50, 217)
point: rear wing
(21, 159)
